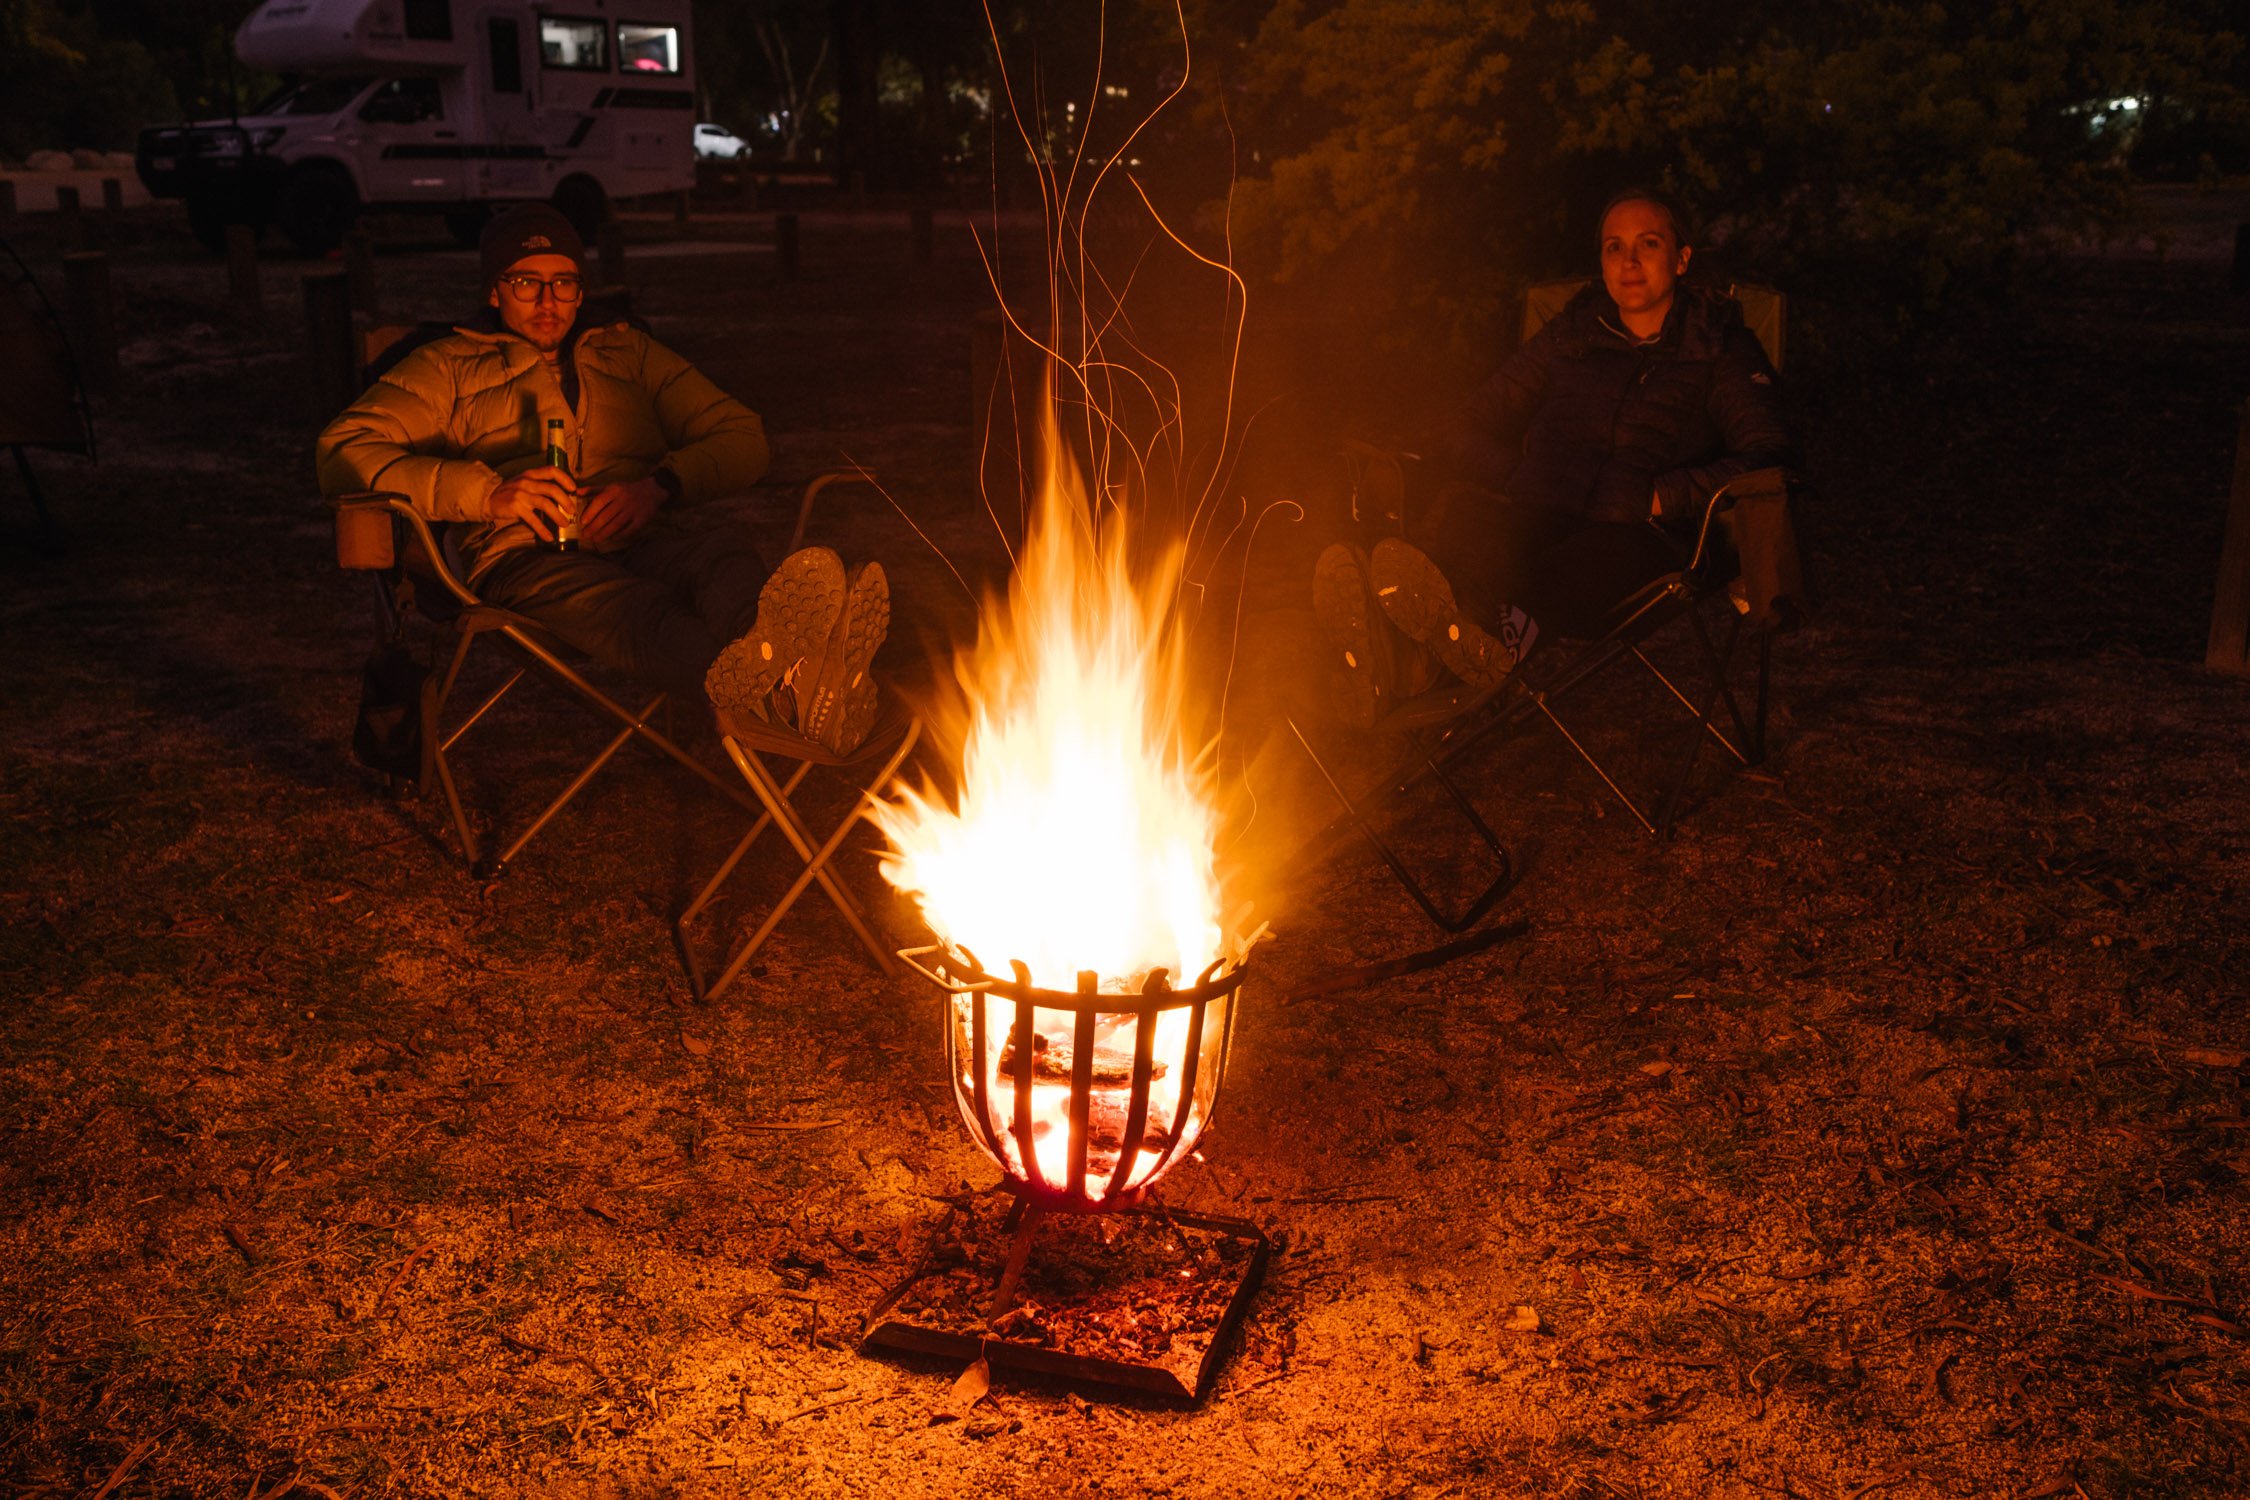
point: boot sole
(1413, 592)
(797, 611)
(1343, 603)
(843, 702)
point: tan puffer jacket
(457, 416)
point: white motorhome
(439, 106)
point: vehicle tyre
(585, 203)
(466, 223)
(318, 207)
(209, 214)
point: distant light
(1115, 91)
(2124, 104)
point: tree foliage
(1438, 153)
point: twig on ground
(406, 1265)
(130, 1462)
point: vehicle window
(316, 96)
(404, 101)
(647, 49)
(507, 56)
(429, 20)
(580, 46)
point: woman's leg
(1576, 586)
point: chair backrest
(1764, 309)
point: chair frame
(419, 560)
(1443, 726)
(748, 744)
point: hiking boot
(1411, 590)
(836, 693)
(1360, 659)
(798, 609)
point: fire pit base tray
(1141, 1300)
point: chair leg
(31, 485)
(1478, 905)
(681, 938)
(1599, 769)
(1765, 685)
(562, 799)
(816, 869)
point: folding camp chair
(418, 575)
(749, 743)
(1745, 520)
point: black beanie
(528, 229)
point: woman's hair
(1682, 231)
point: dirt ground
(1885, 1133)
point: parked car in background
(717, 143)
(399, 106)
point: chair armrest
(365, 540)
(368, 526)
(1721, 498)
(820, 482)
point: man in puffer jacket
(460, 426)
(1579, 473)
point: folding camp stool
(748, 743)
(417, 575)
(1443, 725)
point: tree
(1438, 153)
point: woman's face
(1642, 258)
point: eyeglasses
(525, 287)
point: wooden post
(7, 200)
(333, 371)
(69, 221)
(683, 208)
(113, 195)
(359, 271)
(858, 188)
(242, 269)
(925, 235)
(2230, 611)
(749, 188)
(611, 238)
(785, 245)
(93, 318)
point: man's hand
(616, 511)
(540, 498)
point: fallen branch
(131, 1461)
(526, 1346)
(405, 1265)
(2151, 1294)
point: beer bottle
(566, 531)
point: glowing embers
(1113, 1089)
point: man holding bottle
(568, 456)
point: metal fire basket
(1104, 1106)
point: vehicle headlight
(270, 137)
(227, 143)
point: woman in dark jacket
(1578, 473)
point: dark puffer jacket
(1586, 419)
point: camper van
(450, 107)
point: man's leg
(598, 605)
(714, 571)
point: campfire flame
(1082, 832)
